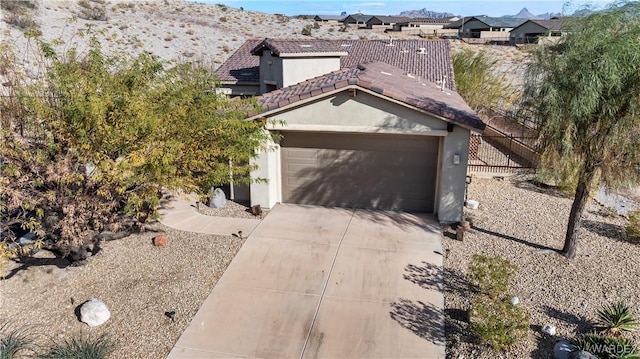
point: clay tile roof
(279, 47)
(386, 80)
(243, 67)
(433, 64)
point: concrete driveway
(313, 282)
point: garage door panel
(360, 171)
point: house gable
(382, 80)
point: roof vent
(422, 50)
(305, 45)
(346, 45)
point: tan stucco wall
(285, 72)
(452, 177)
(300, 69)
(368, 113)
(363, 111)
(270, 71)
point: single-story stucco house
(532, 31)
(363, 124)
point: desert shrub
(615, 319)
(316, 25)
(498, 322)
(223, 19)
(479, 81)
(344, 28)
(306, 31)
(88, 11)
(606, 347)
(492, 316)
(104, 135)
(80, 347)
(633, 228)
(12, 341)
(491, 275)
(19, 13)
(605, 211)
(18, 5)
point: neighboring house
(486, 27)
(357, 19)
(421, 23)
(384, 22)
(531, 31)
(363, 124)
(329, 18)
(427, 27)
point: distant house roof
(456, 24)
(381, 79)
(378, 19)
(329, 18)
(555, 24)
(432, 64)
(357, 19)
(426, 20)
(500, 22)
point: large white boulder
(94, 312)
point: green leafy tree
(478, 80)
(585, 92)
(89, 147)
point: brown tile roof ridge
(385, 80)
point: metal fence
(502, 154)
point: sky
(394, 7)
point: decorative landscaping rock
(472, 204)
(217, 198)
(562, 349)
(160, 240)
(581, 354)
(549, 329)
(94, 312)
(515, 301)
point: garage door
(386, 172)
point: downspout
(232, 195)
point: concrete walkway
(180, 213)
(313, 282)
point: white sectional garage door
(385, 172)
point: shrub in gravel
(616, 318)
(491, 275)
(12, 341)
(80, 347)
(633, 228)
(306, 31)
(606, 347)
(492, 316)
(498, 322)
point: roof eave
(293, 105)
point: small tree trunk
(577, 209)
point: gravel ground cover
(137, 281)
(525, 224)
